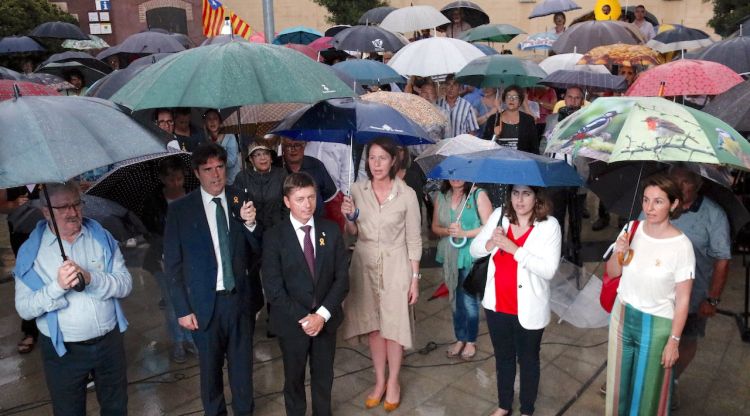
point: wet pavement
(573, 363)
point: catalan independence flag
(213, 20)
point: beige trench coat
(380, 272)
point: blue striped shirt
(463, 118)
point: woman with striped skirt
(657, 269)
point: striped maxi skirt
(637, 383)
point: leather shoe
(389, 407)
(371, 402)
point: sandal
(470, 350)
(455, 349)
(26, 345)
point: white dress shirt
(210, 208)
(322, 311)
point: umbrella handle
(80, 282)
(458, 243)
(625, 258)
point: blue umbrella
(486, 49)
(369, 72)
(553, 6)
(300, 35)
(536, 41)
(19, 44)
(343, 120)
(506, 166)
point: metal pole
(268, 25)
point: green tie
(224, 251)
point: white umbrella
(459, 145)
(414, 18)
(434, 56)
(579, 307)
(569, 61)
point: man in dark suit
(210, 241)
(306, 278)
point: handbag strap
(632, 230)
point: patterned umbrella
(684, 77)
(536, 41)
(94, 43)
(10, 89)
(49, 80)
(625, 55)
(413, 106)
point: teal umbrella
(231, 75)
(499, 70)
(501, 33)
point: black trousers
(229, 335)
(67, 376)
(295, 351)
(512, 342)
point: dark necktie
(226, 255)
(309, 250)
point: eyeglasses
(163, 122)
(260, 153)
(293, 146)
(75, 205)
(512, 97)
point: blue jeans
(176, 333)
(466, 315)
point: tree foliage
(347, 12)
(728, 14)
(19, 17)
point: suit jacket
(288, 284)
(190, 263)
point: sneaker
(178, 354)
(131, 242)
(600, 224)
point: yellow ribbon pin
(236, 200)
(322, 242)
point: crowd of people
(278, 224)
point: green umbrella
(616, 129)
(501, 33)
(231, 75)
(499, 70)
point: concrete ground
(573, 363)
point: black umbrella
(110, 84)
(148, 60)
(19, 44)
(472, 13)
(734, 53)
(731, 107)
(334, 30)
(222, 39)
(680, 38)
(144, 43)
(58, 30)
(130, 182)
(80, 57)
(592, 81)
(630, 11)
(61, 69)
(184, 40)
(617, 186)
(367, 39)
(6, 73)
(375, 16)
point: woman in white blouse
(657, 269)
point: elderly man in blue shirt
(81, 330)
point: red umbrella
(321, 44)
(685, 77)
(7, 90)
(304, 49)
(440, 292)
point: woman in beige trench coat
(384, 273)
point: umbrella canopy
(106, 87)
(543, 40)
(367, 39)
(561, 61)
(417, 109)
(725, 106)
(6, 73)
(333, 30)
(343, 120)
(94, 42)
(52, 139)
(486, 49)
(734, 53)
(131, 181)
(184, 40)
(10, 89)
(231, 75)
(19, 44)
(304, 50)
(343, 76)
(375, 16)
(298, 34)
(685, 77)
(50, 80)
(258, 114)
(650, 128)
(369, 72)
(412, 19)
(144, 43)
(679, 38)
(501, 33)
(549, 7)
(148, 60)
(459, 145)
(80, 57)
(61, 69)
(58, 30)
(222, 39)
(622, 54)
(321, 44)
(588, 80)
(582, 37)
(499, 70)
(434, 56)
(472, 13)
(507, 166)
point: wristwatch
(713, 301)
(417, 276)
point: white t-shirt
(648, 283)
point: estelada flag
(213, 19)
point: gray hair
(57, 188)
